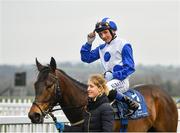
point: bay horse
(53, 86)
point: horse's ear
(53, 64)
(39, 66)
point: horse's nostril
(36, 117)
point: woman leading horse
(53, 86)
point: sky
(58, 28)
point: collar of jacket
(99, 100)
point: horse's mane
(78, 83)
(82, 85)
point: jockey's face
(105, 35)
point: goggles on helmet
(100, 26)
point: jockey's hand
(91, 37)
(108, 75)
(112, 95)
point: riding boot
(132, 105)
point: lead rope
(59, 125)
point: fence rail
(23, 124)
(17, 107)
(12, 107)
(13, 117)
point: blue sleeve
(122, 72)
(88, 55)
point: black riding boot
(132, 105)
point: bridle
(58, 97)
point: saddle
(120, 108)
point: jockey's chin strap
(113, 37)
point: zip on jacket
(89, 119)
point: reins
(58, 96)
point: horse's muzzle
(36, 117)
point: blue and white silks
(116, 57)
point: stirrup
(134, 105)
(131, 103)
(130, 112)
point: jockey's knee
(120, 86)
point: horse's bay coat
(72, 97)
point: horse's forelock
(44, 71)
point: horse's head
(55, 86)
(46, 88)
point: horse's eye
(49, 83)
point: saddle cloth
(120, 108)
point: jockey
(116, 56)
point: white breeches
(120, 86)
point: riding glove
(108, 75)
(91, 37)
(112, 95)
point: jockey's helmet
(104, 24)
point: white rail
(13, 117)
(17, 107)
(178, 128)
(11, 107)
(23, 124)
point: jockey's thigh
(120, 86)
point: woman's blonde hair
(100, 82)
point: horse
(53, 86)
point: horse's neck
(73, 91)
(73, 107)
(73, 114)
(73, 99)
